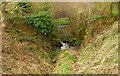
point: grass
(64, 63)
(37, 51)
(70, 57)
(61, 21)
(56, 52)
(96, 17)
(32, 49)
(24, 39)
(103, 58)
(114, 12)
(65, 68)
(99, 17)
(91, 54)
(47, 57)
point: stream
(66, 46)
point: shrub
(42, 20)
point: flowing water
(66, 46)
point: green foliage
(46, 57)
(61, 21)
(43, 21)
(56, 53)
(115, 9)
(55, 41)
(19, 19)
(95, 18)
(115, 13)
(66, 63)
(65, 68)
(46, 7)
(82, 15)
(74, 41)
(70, 57)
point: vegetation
(24, 7)
(96, 18)
(59, 38)
(61, 21)
(42, 21)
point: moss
(61, 21)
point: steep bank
(101, 55)
(23, 53)
(98, 57)
(28, 55)
(86, 40)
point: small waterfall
(64, 46)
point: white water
(64, 46)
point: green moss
(61, 21)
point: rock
(62, 26)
